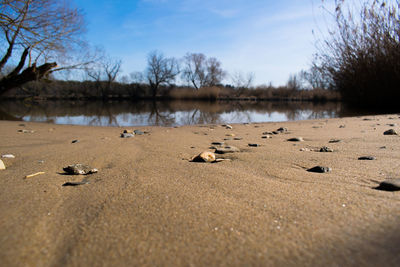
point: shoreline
(149, 205)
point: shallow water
(168, 113)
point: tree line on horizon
(359, 58)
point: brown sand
(148, 205)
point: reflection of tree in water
(162, 113)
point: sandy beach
(148, 205)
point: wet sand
(150, 206)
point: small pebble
(254, 145)
(127, 135)
(367, 158)
(282, 129)
(342, 126)
(26, 131)
(267, 133)
(75, 141)
(74, 183)
(138, 132)
(228, 127)
(218, 143)
(296, 139)
(389, 185)
(325, 149)
(8, 156)
(128, 131)
(76, 169)
(266, 137)
(205, 156)
(237, 138)
(320, 169)
(2, 166)
(390, 132)
(335, 141)
(305, 149)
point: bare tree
(160, 71)
(105, 73)
(241, 80)
(39, 31)
(200, 71)
(294, 82)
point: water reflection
(165, 113)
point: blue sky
(272, 39)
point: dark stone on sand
(237, 138)
(335, 141)
(217, 143)
(296, 139)
(367, 158)
(389, 185)
(75, 141)
(74, 183)
(267, 133)
(325, 149)
(127, 135)
(319, 169)
(275, 132)
(390, 132)
(254, 145)
(282, 130)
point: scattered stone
(26, 131)
(390, 132)
(76, 169)
(305, 149)
(325, 149)
(382, 147)
(266, 137)
(317, 127)
(342, 126)
(22, 125)
(217, 143)
(75, 183)
(367, 119)
(237, 138)
(205, 156)
(230, 135)
(282, 130)
(41, 161)
(228, 127)
(275, 132)
(127, 135)
(227, 139)
(8, 156)
(227, 149)
(389, 185)
(319, 169)
(254, 145)
(34, 174)
(267, 133)
(138, 132)
(2, 166)
(392, 124)
(367, 158)
(296, 139)
(335, 141)
(128, 131)
(75, 141)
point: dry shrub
(361, 57)
(204, 93)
